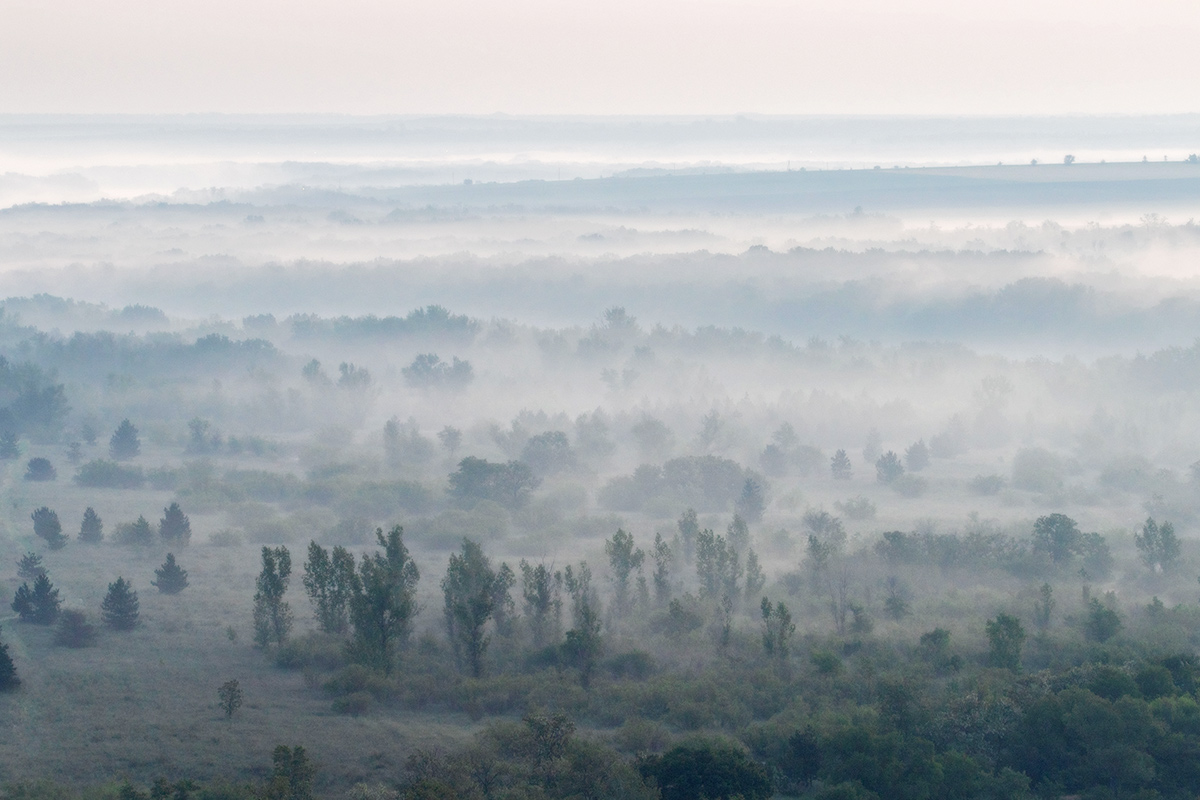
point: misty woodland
(648, 485)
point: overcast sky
(615, 56)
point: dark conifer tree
(91, 530)
(175, 528)
(120, 606)
(170, 579)
(124, 443)
(8, 671)
(47, 526)
(39, 605)
(30, 566)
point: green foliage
(102, 474)
(384, 602)
(624, 558)
(46, 526)
(541, 589)
(716, 771)
(170, 578)
(124, 443)
(1157, 545)
(427, 371)
(856, 508)
(451, 439)
(272, 614)
(840, 467)
(1043, 607)
(827, 662)
(138, 533)
(229, 697)
(1058, 537)
(896, 604)
(472, 591)
(916, 456)
(120, 606)
(1006, 637)
(1097, 560)
(777, 630)
(91, 529)
(1102, 623)
(888, 467)
(756, 579)
(9, 681)
(40, 469)
(662, 570)
(329, 582)
(684, 615)
(583, 645)
(986, 485)
(718, 567)
(74, 630)
(508, 484)
(934, 649)
(30, 566)
(175, 529)
(689, 532)
(549, 453)
(751, 503)
(39, 605)
(707, 483)
(292, 775)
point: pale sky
(610, 57)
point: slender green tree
(120, 606)
(778, 629)
(329, 581)
(272, 614)
(662, 571)
(583, 644)
(755, 579)
(718, 568)
(384, 602)
(229, 697)
(91, 530)
(170, 578)
(623, 560)
(470, 593)
(541, 588)
(175, 529)
(689, 531)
